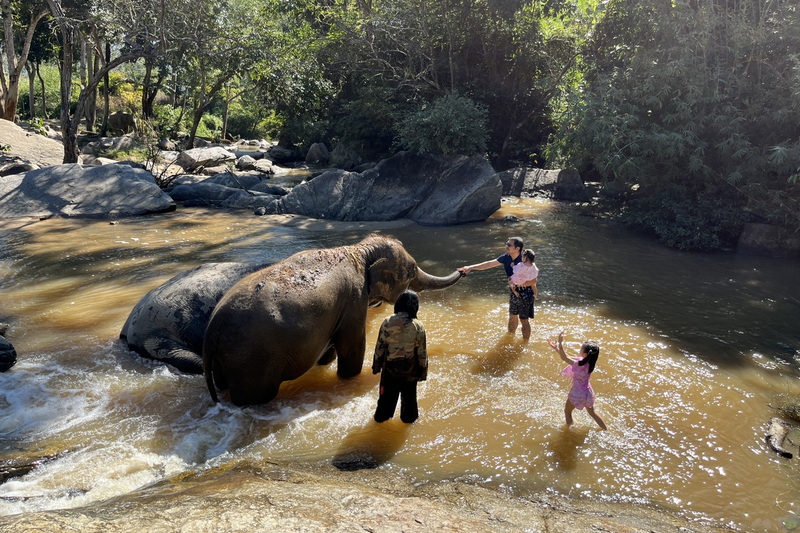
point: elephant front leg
(350, 356)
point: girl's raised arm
(559, 347)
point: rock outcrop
(428, 189)
(557, 184)
(274, 497)
(228, 190)
(74, 190)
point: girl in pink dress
(581, 394)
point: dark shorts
(521, 305)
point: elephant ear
(380, 279)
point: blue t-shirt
(509, 263)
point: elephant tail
(208, 370)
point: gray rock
(318, 153)
(15, 165)
(526, 181)
(344, 158)
(427, 189)
(195, 158)
(570, 187)
(279, 154)
(8, 356)
(169, 322)
(82, 191)
(245, 162)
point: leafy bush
(450, 125)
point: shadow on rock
(371, 445)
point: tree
(14, 63)
(133, 24)
(695, 104)
(217, 44)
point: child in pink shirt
(524, 272)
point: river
(694, 349)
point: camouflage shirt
(401, 350)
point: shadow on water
(501, 358)
(566, 445)
(371, 445)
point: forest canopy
(689, 110)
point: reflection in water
(694, 347)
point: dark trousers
(390, 389)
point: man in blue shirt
(518, 310)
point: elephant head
(391, 270)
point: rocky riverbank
(313, 498)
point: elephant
(311, 308)
(168, 323)
(120, 121)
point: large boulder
(427, 189)
(228, 190)
(195, 158)
(169, 322)
(560, 184)
(526, 181)
(74, 190)
(30, 147)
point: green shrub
(452, 124)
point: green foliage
(699, 116)
(450, 125)
(50, 76)
(210, 127)
(707, 221)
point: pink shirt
(523, 273)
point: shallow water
(693, 349)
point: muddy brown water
(694, 348)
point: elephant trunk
(425, 282)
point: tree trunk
(198, 114)
(91, 100)
(44, 91)
(69, 134)
(106, 93)
(31, 87)
(148, 73)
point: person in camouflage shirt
(402, 357)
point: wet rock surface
(311, 498)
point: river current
(694, 350)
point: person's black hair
(408, 302)
(529, 253)
(592, 351)
(517, 242)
